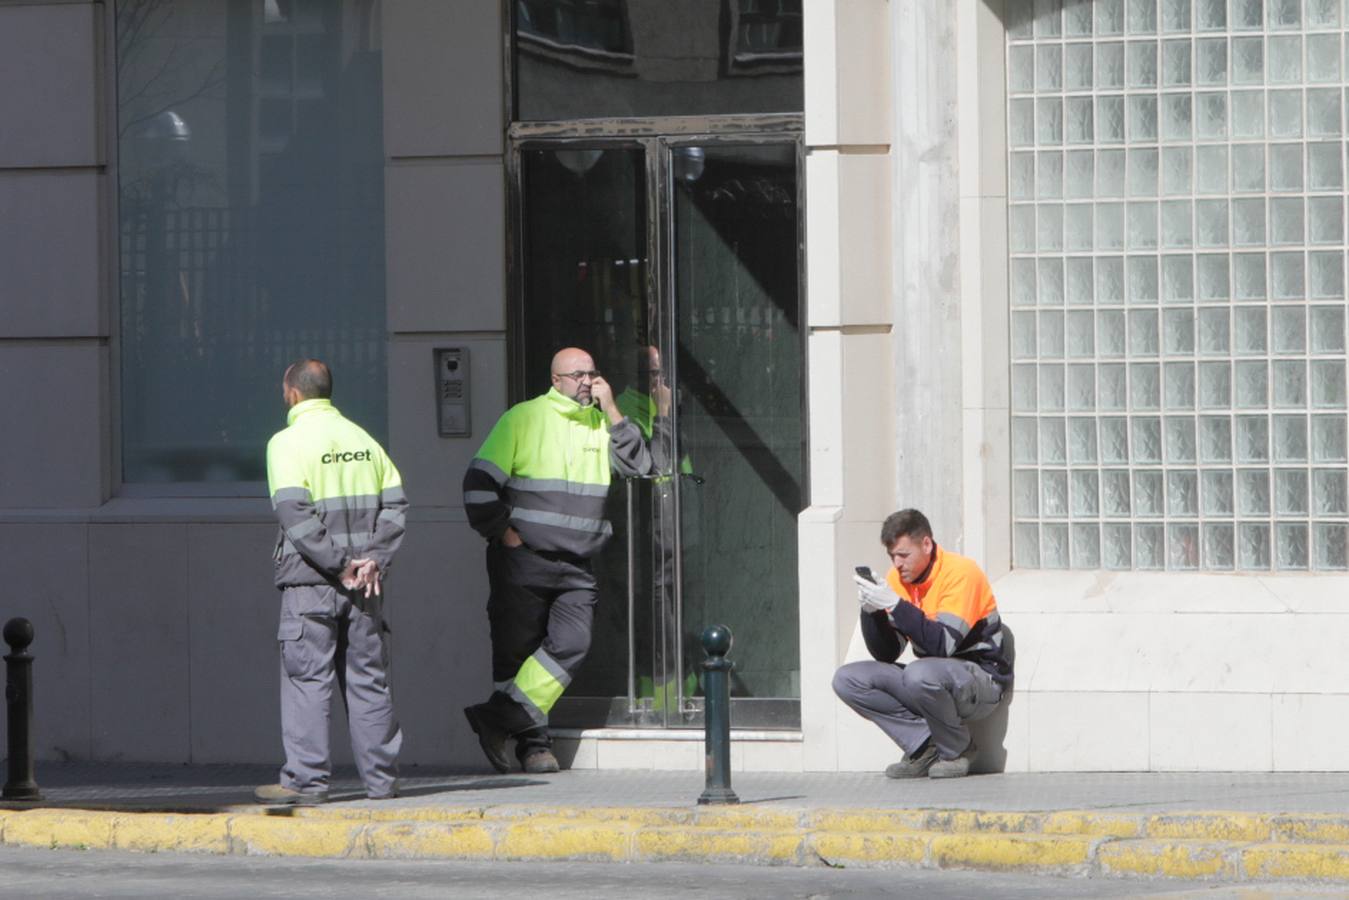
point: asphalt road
(33, 873)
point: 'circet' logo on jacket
(341, 456)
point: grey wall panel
(47, 583)
(50, 253)
(138, 612)
(432, 466)
(232, 635)
(52, 51)
(56, 396)
(446, 246)
(443, 78)
(441, 653)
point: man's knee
(568, 645)
(850, 681)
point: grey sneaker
(913, 766)
(280, 795)
(954, 768)
(490, 738)
(540, 762)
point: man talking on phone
(536, 492)
(940, 603)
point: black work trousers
(541, 609)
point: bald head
(567, 362)
(308, 379)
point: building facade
(1068, 275)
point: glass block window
(1176, 203)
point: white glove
(875, 597)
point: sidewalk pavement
(1229, 827)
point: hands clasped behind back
(362, 575)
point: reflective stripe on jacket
(336, 494)
(544, 470)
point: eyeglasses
(579, 374)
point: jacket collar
(933, 565)
(569, 407)
(305, 407)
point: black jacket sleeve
(883, 642)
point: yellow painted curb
(697, 845)
(1009, 851)
(382, 814)
(1326, 861)
(429, 840)
(74, 829)
(728, 817)
(868, 820)
(1174, 859)
(1090, 824)
(179, 833)
(574, 815)
(869, 847)
(1210, 827)
(976, 821)
(565, 840)
(1311, 829)
(287, 836)
(1229, 847)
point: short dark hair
(908, 523)
(311, 378)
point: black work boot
(540, 761)
(491, 738)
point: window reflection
(579, 59)
(250, 157)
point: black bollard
(717, 715)
(19, 698)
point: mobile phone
(865, 572)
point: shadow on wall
(991, 731)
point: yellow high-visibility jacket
(336, 494)
(544, 470)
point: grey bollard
(717, 715)
(19, 698)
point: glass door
(735, 283)
(676, 264)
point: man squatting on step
(536, 492)
(942, 604)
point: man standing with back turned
(342, 511)
(536, 491)
(940, 602)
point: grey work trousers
(930, 697)
(328, 636)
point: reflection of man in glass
(647, 403)
(536, 491)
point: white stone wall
(1122, 671)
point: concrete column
(848, 179)
(985, 397)
(445, 225)
(928, 361)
